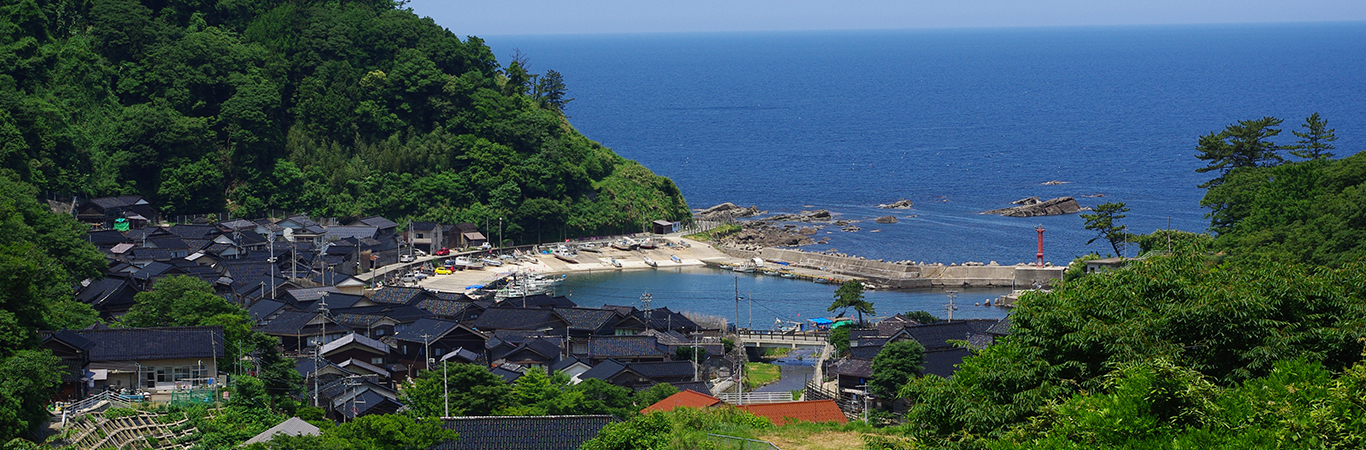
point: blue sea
(957, 121)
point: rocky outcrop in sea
(900, 204)
(1032, 207)
(728, 210)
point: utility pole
(318, 348)
(446, 391)
(950, 306)
(649, 313)
(739, 345)
(427, 351)
(271, 238)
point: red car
(443, 252)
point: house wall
(162, 374)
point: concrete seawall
(908, 276)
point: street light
(500, 232)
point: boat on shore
(743, 268)
(564, 255)
(648, 244)
(626, 244)
(675, 258)
(465, 262)
(650, 262)
(615, 263)
(492, 262)
(589, 248)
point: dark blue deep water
(958, 121)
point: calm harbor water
(764, 298)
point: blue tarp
(821, 321)
(474, 286)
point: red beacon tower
(1039, 256)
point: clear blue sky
(516, 17)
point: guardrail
(81, 407)
(748, 398)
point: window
(377, 360)
(379, 332)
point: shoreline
(797, 264)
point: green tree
(473, 392)
(1316, 141)
(1245, 144)
(27, 380)
(177, 301)
(654, 394)
(601, 397)
(537, 394)
(1103, 223)
(839, 338)
(897, 363)
(850, 295)
(550, 90)
(921, 316)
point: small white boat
(648, 243)
(615, 263)
(566, 256)
(743, 268)
(650, 262)
(493, 262)
(675, 258)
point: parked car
(443, 252)
(443, 271)
(406, 258)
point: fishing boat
(589, 248)
(564, 255)
(743, 268)
(467, 263)
(615, 263)
(648, 243)
(493, 262)
(675, 258)
(788, 275)
(626, 244)
(650, 262)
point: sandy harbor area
(692, 254)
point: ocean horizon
(958, 121)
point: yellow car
(443, 271)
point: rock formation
(728, 210)
(885, 219)
(1032, 207)
(900, 204)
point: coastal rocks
(900, 204)
(1032, 207)
(806, 231)
(819, 215)
(850, 228)
(728, 210)
(885, 219)
(1054, 183)
(758, 235)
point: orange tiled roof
(810, 411)
(687, 398)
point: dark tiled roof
(861, 368)
(507, 372)
(263, 309)
(524, 432)
(586, 318)
(335, 301)
(604, 370)
(238, 224)
(624, 347)
(311, 294)
(564, 363)
(167, 242)
(454, 296)
(867, 352)
(938, 335)
(116, 202)
(135, 344)
(518, 319)
(377, 222)
(68, 337)
(980, 325)
(1001, 327)
(106, 238)
(444, 308)
(663, 369)
(536, 301)
(292, 322)
(399, 295)
(400, 313)
(335, 233)
(663, 318)
(433, 328)
(102, 290)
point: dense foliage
(1230, 324)
(341, 109)
(41, 256)
(471, 390)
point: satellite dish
(289, 234)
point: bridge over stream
(792, 339)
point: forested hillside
(343, 108)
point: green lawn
(759, 374)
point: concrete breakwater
(910, 276)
